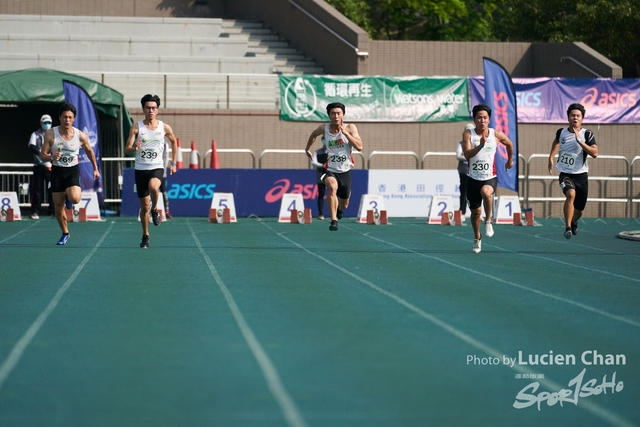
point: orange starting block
(377, 218)
(7, 215)
(301, 217)
(451, 218)
(527, 217)
(220, 215)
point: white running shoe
(477, 245)
(488, 228)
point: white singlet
(571, 157)
(482, 166)
(339, 158)
(70, 149)
(151, 153)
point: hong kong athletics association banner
(368, 99)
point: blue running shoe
(63, 239)
(67, 204)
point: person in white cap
(41, 178)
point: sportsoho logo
(447, 101)
(300, 98)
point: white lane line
(557, 261)
(516, 285)
(597, 410)
(18, 233)
(16, 352)
(285, 401)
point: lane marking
(19, 232)
(594, 408)
(516, 285)
(595, 270)
(18, 349)
(285, 401)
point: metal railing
(627, 177)
(338, 36)
(393, 153)
(207, 154)
(632, 179)
(16, 176)
(300, 151)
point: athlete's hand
(508, 165)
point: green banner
(373, 99)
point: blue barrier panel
(256, 191)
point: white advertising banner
(408, 193)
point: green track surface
(260, 323)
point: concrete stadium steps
(262, 42)
(157, 64)
(122, 45)
(192, 62)
(91, 43)
(208, 91)
(110, 26)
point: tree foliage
(611, 27)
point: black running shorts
(63, 177)
(473, 190)
(578, 182)
(344, 183)
(142, 180)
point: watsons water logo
(401, 99)
(191, 191)
(300, 98)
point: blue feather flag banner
(500, 96)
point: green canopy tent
(25, 95)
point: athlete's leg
(321, 190)
(74, 194)
(487, 200)
(154, 191)
(569, 210)
(475, 221)
(343, 204)
(332, 196)
(61, 215)
(145, 205)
